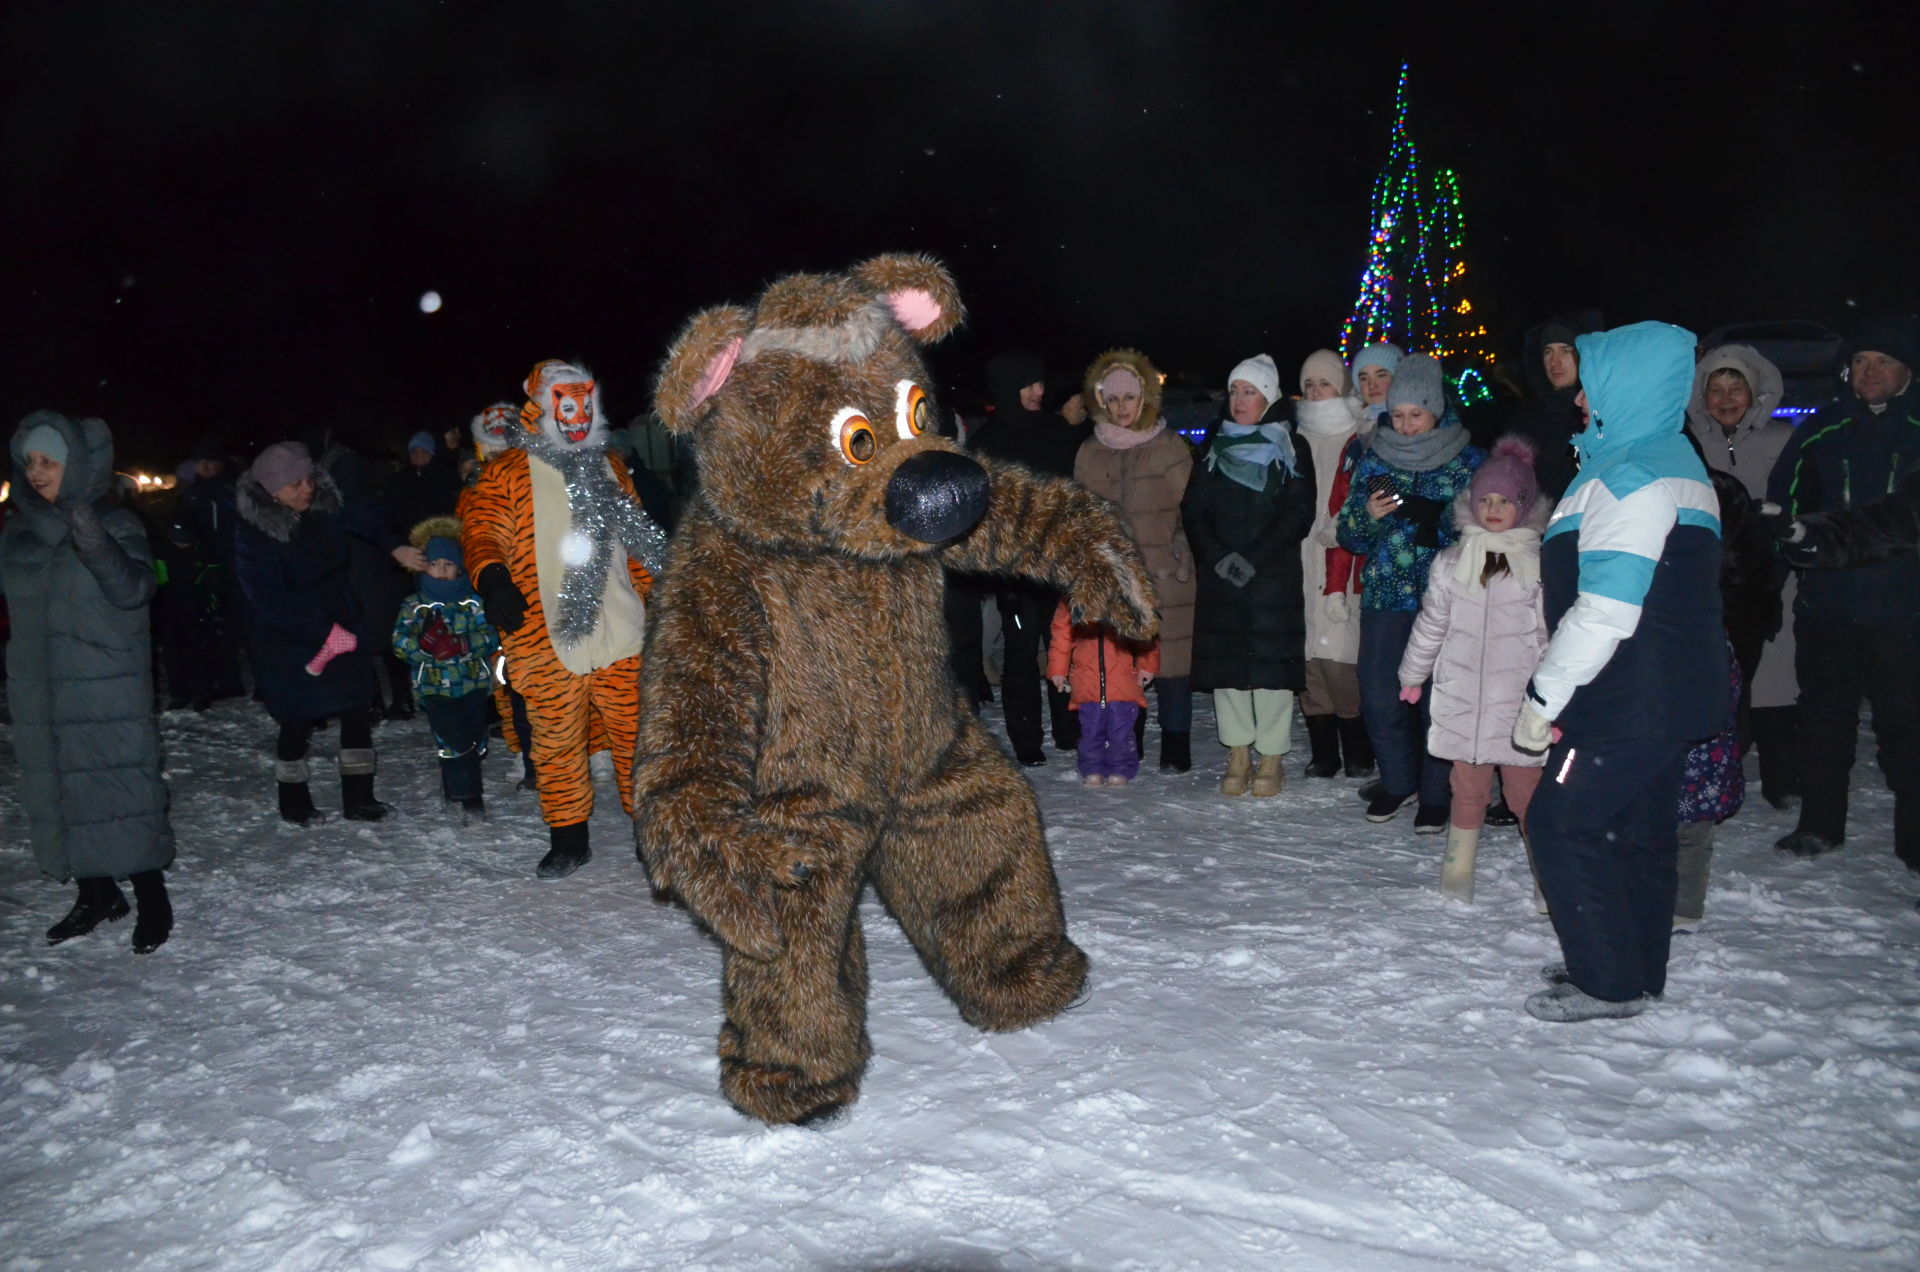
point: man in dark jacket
(1020, 432)
(207, 518)
(1548, 418)
(1635, 672)
(1858, 628)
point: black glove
(84, 523)
(1425, 516)
(1235, 569)
(1780, 523)
(506, 608)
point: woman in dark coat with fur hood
(1249, 504)
(77, 572)
(294, 559)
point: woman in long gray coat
(78, 575)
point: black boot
(1498, 814)
(1358, 750)
(473, 810)
(155, 922)
(1066, 721)
(568, 853)
(100, 901)
(1176, 752)
(356, 785)
(296, 801)
(1323, 733)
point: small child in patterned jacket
(442, 633)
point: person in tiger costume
(490, 440)
(801, 732)
(563, 557)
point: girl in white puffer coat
(1481, 631)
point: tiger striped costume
(568, 711)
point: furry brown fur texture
(801, 736)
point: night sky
(219, 218)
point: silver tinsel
(604, 516)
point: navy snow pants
(1604, 836)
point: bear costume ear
(918, 289)
(698, 364)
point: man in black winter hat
(1021, 431)
(1858, 629)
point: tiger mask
(812, 418)
(563, 406)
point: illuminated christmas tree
(1411, 290)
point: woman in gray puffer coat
(78, 575)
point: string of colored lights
(1415, 266)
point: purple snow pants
(1106, 740)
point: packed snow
(388, 1046)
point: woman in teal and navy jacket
(1398, 515)
(442, 633)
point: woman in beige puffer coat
(1137, 462)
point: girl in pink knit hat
(1481, 631)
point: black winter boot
(100, 901)
(1176, 752)
(155, 922)
(1323, 734)
(568, 853)
(1358, 750)
(356, 785)
(296, 801)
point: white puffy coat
(1480, 645)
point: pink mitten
(339, 641)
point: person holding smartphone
(1397, 515)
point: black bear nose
(936, 495)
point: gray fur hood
(259, 509)
(89, 457)
(1761, 375)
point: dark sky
(220, 217)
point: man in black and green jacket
(1859, 627)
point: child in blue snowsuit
(1635, 672)
(443, 635)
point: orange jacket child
(1106, 679)
(1098, 665)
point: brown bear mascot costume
(801, 735)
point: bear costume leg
(795, 1044)
(964, 868)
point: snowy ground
(390, 1047)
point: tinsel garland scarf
(603, 516)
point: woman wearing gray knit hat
(1397, 516)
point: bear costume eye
(913, 413)
(854, 436)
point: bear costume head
(812, 417)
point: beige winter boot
(1456, 868)
(1270, 777)
(1239, 768)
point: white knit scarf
(1520, 545)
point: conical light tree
(1412, 290)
